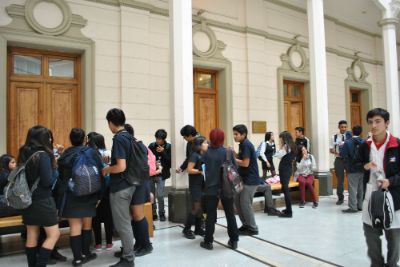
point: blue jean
(158, 189)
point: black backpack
(232, 183)
(356, 164)
(137, 167)
(381, 209)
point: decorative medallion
(295, 58)
(205, 43)
(357, 71)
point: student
(79, 210)
(162, 150)
(354, 170)
(42, 212)
(189, 133)
(268, 149)
(266, 189)
(121, 191)
(306, 165)
(196, 185)
(103, 210)
(301, 140)
(7, 164)
(380, 158)
(213, 158)
(248, 170)
(287, 153)
(337, 142)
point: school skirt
(41, 212)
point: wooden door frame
(303, 99)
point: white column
(181, 82)
(319, 85)
(391, 72)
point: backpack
(151, 160)
(258, 150)
(137, 167)
(17, 192)
(232, 183)
(86, 178)
(356, 165)
(381, 209)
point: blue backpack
(86, 177)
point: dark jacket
(66, 199)
(189, 151)
(3, 180)
(164, 157)
(348, 154)
(391, 163)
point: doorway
(355, 107)
(294, 106)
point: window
(27, 65)
(296, 91)
(205, 80)
(61, 68)
(354, 97)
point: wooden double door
(294, 105)
(43, 88)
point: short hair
(217, 137)
(241, 128)
(129, 129)
(267, 136)
(188, 130)
(300, 129)
(161, 134)
(342, 122)
(357, 130)
(77, 136)
(198, 141)
(116, 116)
(378, 112)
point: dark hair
(188, 130)
(300, 153)
(241, 128)
(357, 130)
(342, 122)
(300, 129)
(198, 141)
(288, 140)
(37, 138)
(268, 136)
(161, 134)
(378, 112)
(5, 161)
(116, 116)
(96, 141)
(217, 137)
(77, 136)
(129, 129)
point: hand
(97, 204)
(370, 165)
(60, 149)
(106, 159)
(105, 171)
(179, 170)
(160, 149)
(383, 183)
(268, 164)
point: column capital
(388, 21)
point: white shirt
(339, 141)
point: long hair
(217, 137)
(299, 153)
(268, 136)
(4, 162)
(96, 141)
(288, 140)
(38, 138)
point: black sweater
(40, 167)
(164, 157)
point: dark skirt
(79, 207)
(141, 194)
(42, 212)
(196, 192)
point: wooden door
(206, 115)
(355, 107)
(43, 88)
(294, 106)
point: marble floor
(313, 237)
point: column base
(325, 183)
(179, 205)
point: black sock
(143, 232)
(191, 220)
(86, 241)
(76, 246)
(43, 257)
(135, 234)
(31, 255)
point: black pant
(285, 178)
(103, 214)
(211, 203)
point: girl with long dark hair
(37, 154)
(287, 153)
(305, 164)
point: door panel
(207, 114)
(355, 115)
(296, 115)
(294, 106)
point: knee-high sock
(86, 241)
(31, 255)
(76, 246)
(143, 233)
(43, 257)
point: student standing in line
(196, 185)
(162, 150)
(268, 149)
(42, 212)
(301, 139)
(248, 170)
(189, 133)
(337, 143)
(213, 159)
(287, 153)
(79, 210)
(305, 167)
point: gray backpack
(17, 192)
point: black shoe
(155, 217)
(243, 228)
(57, 256)
(200, 232)
(206, 245)
(359, 209)
(188, 234)
(233, 244)
(77, 263)
(302, 204)
(144, 251)
(89, 257)
(118, 254)
(339, 202)
(52, 261)
(273, 212)
(315, 205)
(162, 217)
(349, 211)
(123, 263)
(285, 214)
(247, 232)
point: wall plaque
(259, 126)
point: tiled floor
(313, 237)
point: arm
(243, 162)
(344, 152)
(245, 155)
(262, 152)
(192, 170)
(45, 170)
(117, 168)
(314, 163)
(332, 146)
(186, 161)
